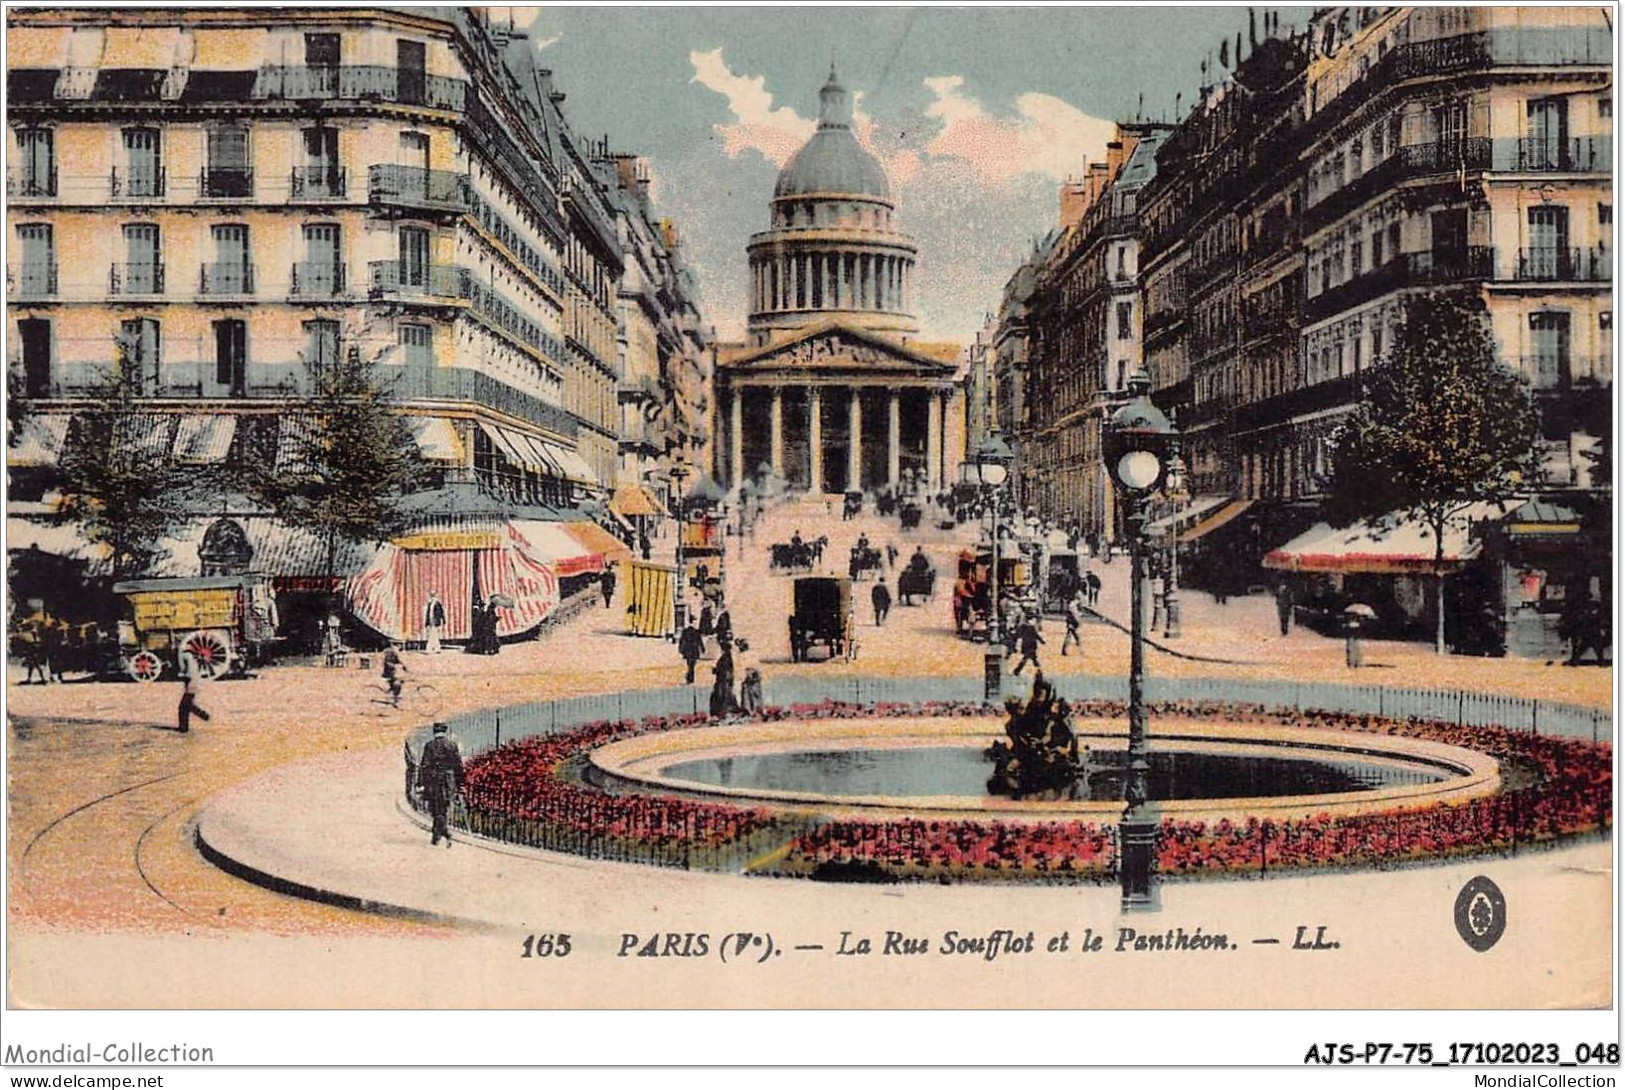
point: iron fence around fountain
(485, 729)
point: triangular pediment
(836, 347)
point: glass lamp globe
(993, 473)
(1138, 470)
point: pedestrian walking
(440, 778)
(891, 555)
(191, 680)
(1074, 622)
(607, 585)
(725, 623)
(691, 645)
(881, 597)
(434, 623)
(1283, 606)
(1027, 641)
(722, 689)
(1093, 582)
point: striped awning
(555, 545)
(63, 539)
(39, 441)
(204, 440)
(1392, 545)
(573, 466)
(594, 538)
(278, 550)
(152, 433)
(1217, 519)
(436, 438)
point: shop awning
(634, 500)
(286, 552)
(594, 538)
(553, 544)
(1385, 546)
(1195, 509)
(503, 440)
(573, 465)
(39, 441)
(204, 440)
(436, 438)
(1215, 520)
(152, 433)
(293, 438)
(1538, 518)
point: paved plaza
(299, 772)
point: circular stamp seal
(1481, 913)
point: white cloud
(1047, 135)
(776, 132)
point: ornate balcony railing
(226, 278)
(26, 186)
(136, 184)
(317, 279)
(310, 183)
(414, 280)
(35, 280)
(136, 278)
(230, 182)
(1578, 154)
(1549, 263)
(1403, 271)
(417, 187)
(359, 83)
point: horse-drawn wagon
(220, 620)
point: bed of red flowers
(531, 791)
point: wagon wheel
(212, 652)
(144, 666)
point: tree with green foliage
(344, 462)
(1441, 427)
(121, 487)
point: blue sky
(976, 113)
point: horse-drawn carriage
(909, 515)
(851, 506)
(865, 558)
(917, 580)
(797, 553)
(222, 621)
(821, 613)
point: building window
(228, 173)
(1605, 106)
(321, 345)
(39, 259)
(35, 334)
(1125, 321)
(143, 165)
(1605, 214)
(322, 271)
(418, 343)
(139, 344)
(1547, 257)
(413, 243)
(410, 72)
(231, 355)
(36, 163)
(230, 274)
(1549, 341)
(321, 175)
(1546, 146)
(322, 60)
(143, 271)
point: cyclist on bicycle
(393, 668)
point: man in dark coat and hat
(691, 645)
(440, 778)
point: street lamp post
(990, 470)
(1174, 489)
(678, 472)
(1136, 450)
